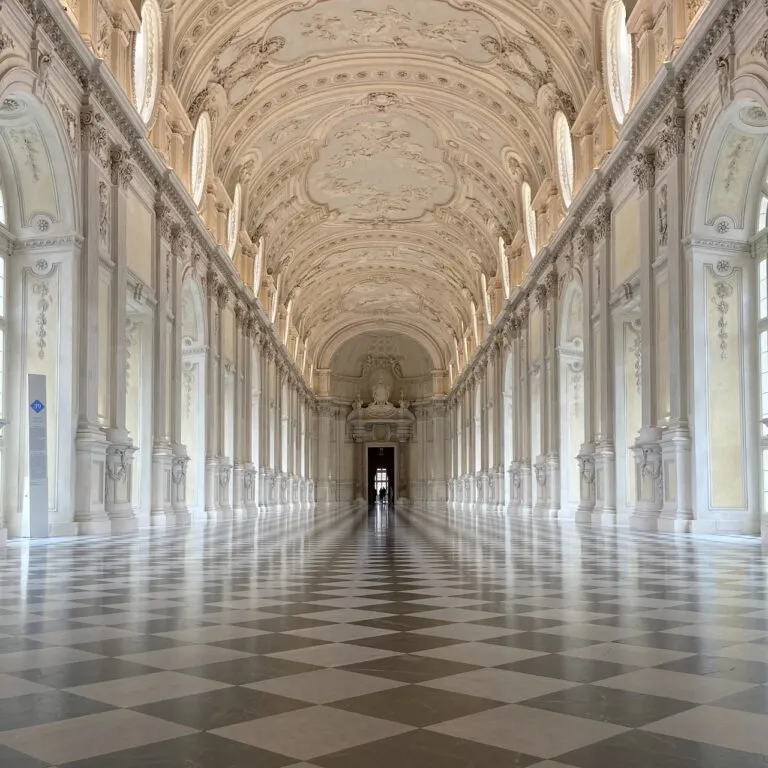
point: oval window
(233, 222)
(201, 144)
(146, 59)
(564, 157)
(529, 219)
(618, 60)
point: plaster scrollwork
(586, 468)
(663, 215)
(601, 224)
(6, 41)
(71, 125)
(540, 471)
(122, 170)
(696, 126)
(723, 290)
(131, 336)
(117, 464)
(761, 47)
(179, 470)
(103, 214)
(42, 65)
(224, 473)
(540, 295)
(649, 461)
(724, 67)
(636, 351)
(584, 244)
(93, 133)
(671, 139)
(41, 290)
(644, 170)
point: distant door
(381, 474)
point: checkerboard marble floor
(355, 639)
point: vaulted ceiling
(381, 144)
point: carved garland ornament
(723, 292)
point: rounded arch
(742, 126)
(193, 327)
(40, 196)
(571, 330)
(329, 346)
(727, 281)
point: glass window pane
(762, 282)
(2, 287)
(762, 218)
(2, 372)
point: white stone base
(123, 525)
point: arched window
(475, 329)
(233, 222)
(529, 219)
(486, 299)
(146, 59)
(3, 220)
(762, 333)
(504, 268)
(2, 345)
(257, 264)
(564, 157)
(618, 59)
(201, 146)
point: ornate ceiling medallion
(376, 166)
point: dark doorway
(381, 474)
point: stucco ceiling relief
(377, 165)
(333, 25)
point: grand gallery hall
(383, 383)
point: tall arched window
(504, 268)
(233, 222)
(2, 363)
(3, 220)
(564, 157)
(529, 219)
(486, 299)
(618, 59)
(201, 146)
(146, 59)
(257, 265)
(762, 333)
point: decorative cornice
(101, 88)
(667, 88)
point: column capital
(120, 166)
(644, 169)
(601, 223)
(671, 139)
(584, 244)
